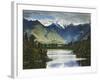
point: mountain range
(55, 33)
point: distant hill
(55, 34)
(41, 33)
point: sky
(62, 18)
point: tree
(31, 40)
(25, 37)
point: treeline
(33, 56)
(83, 50)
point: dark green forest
(33, 56)
(82, 49)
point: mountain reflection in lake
(62, 58)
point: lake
(62, 58)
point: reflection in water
(62, 58)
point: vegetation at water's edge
(83, 50)
(33, 57)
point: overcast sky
(62, 18)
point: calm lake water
(62, 58)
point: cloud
(62, 18)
